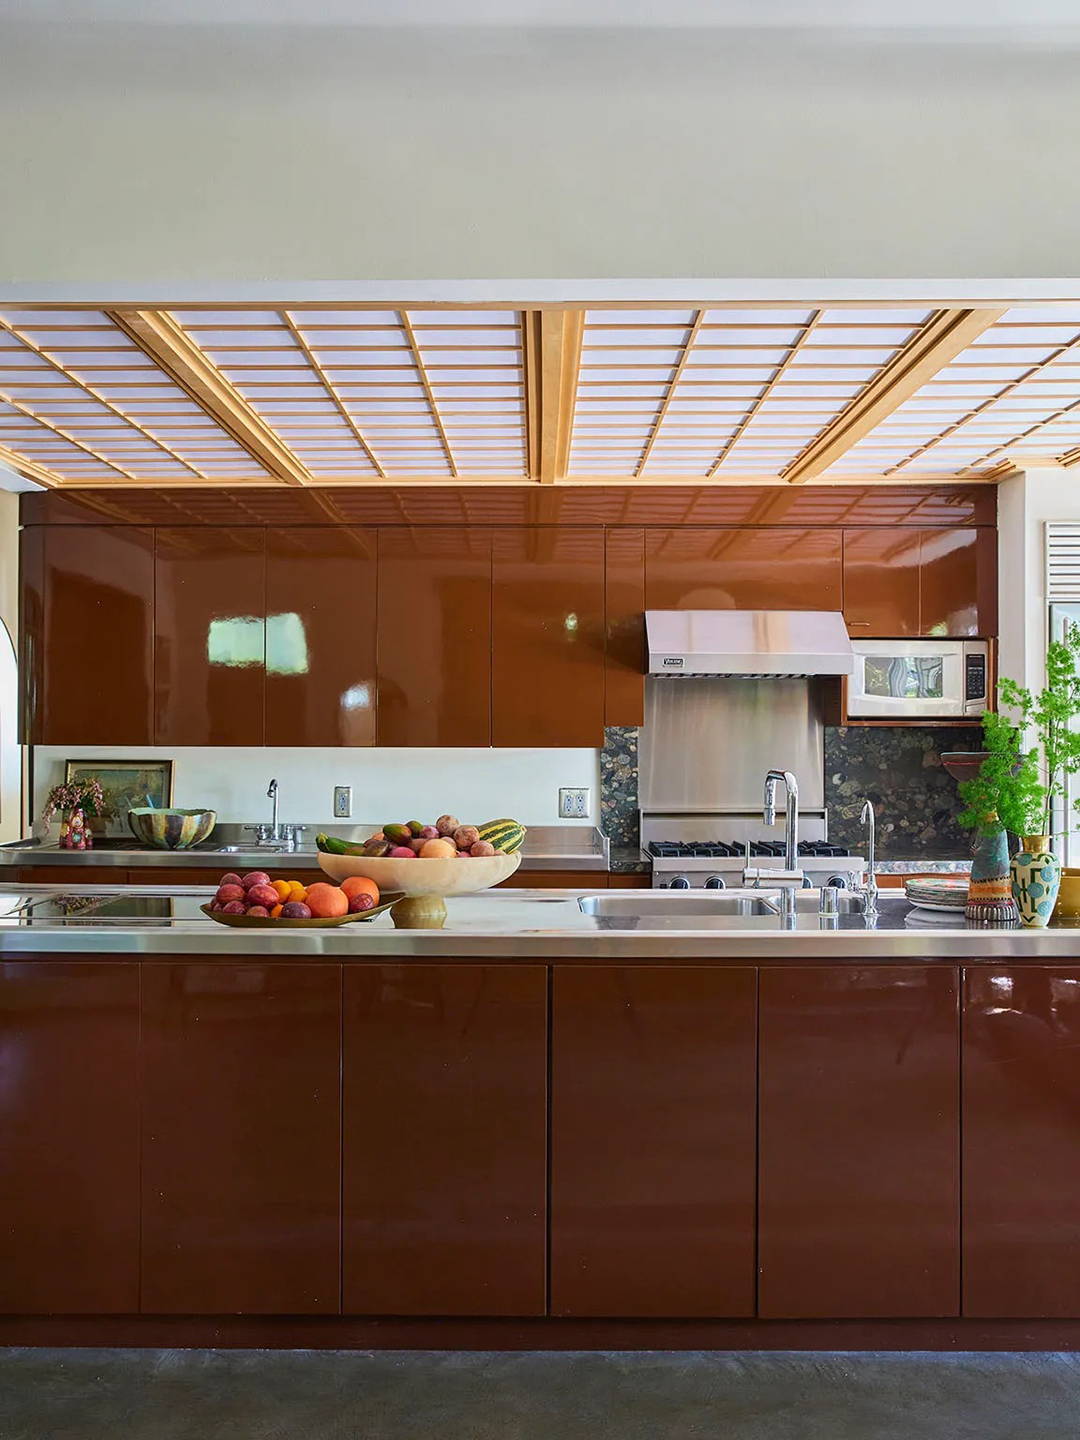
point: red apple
(255, 877)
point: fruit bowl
(171, 829)
(425, 883)
(328, 922)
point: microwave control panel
(975, 677)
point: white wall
(388, 784)
(1026, 501)
(184, 153)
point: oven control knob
(715, 882)
(679, 882)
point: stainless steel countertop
(547, 847)
(539, 925)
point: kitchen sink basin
(705, 904)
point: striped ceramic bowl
(171, 829)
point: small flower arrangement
(83, 794)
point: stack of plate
(945, 893)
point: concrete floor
(415, 1395)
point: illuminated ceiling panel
(345, 395)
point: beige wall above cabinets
(520, 626)
(156, 156)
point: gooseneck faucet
(272, 794)
(870, 889)
(791, 828)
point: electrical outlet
(573, 803)
(342, 802)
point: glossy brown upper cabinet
(548, 636)
(69, 1117)
(98, 602)
(434, 636)
(320, 636)
(654, 1081)
(444, 1139)
(751, 569)
(958, 582)
(625, 589)
(210, 671)
(881, 582)
(241, 1138)
(905, 581)
(1021, 1137)
(31, 637)
(859, 1134)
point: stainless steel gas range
(698, 851)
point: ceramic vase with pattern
(990, 898)
(1035, 873)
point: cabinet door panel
(435, 636)
(958, 582)
(210, 607)
(753, 569)
(320, 636)
(881, 582)
(652, 1140)
(548, 636)
(625, 590)
(241, 1138)
(859, 1137)
(99, 635)
(1021, 1128)
(31, 638)
(445, 1107)
(69, 1121)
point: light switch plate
(342, 802)
(573, 803)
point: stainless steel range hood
(748, 642)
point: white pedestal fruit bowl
(425, 883)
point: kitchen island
(537, 1126)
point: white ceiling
(966, 17)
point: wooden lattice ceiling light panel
(452, 395)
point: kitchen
(715, 713)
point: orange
(325, 901)
(283, 888)
(297, 891)
(359, 885)
(276, 911)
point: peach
(438, 850)
(229, 892)
(360, 885)
(234, 907)
(258, 912)
(326, 901)
(263, 895)
(255, 877)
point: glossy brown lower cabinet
(434, 636)
(547, 639)
(69, 1137)
(1021, 1136)
(320, 636)
(445, 1113)
(859, 1181)
(210, 628)
(241, 1131)
(654, 1080)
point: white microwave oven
(912, 678)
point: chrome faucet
(791, 827)
(272, 794)
(869, 891)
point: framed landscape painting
(127, 784)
